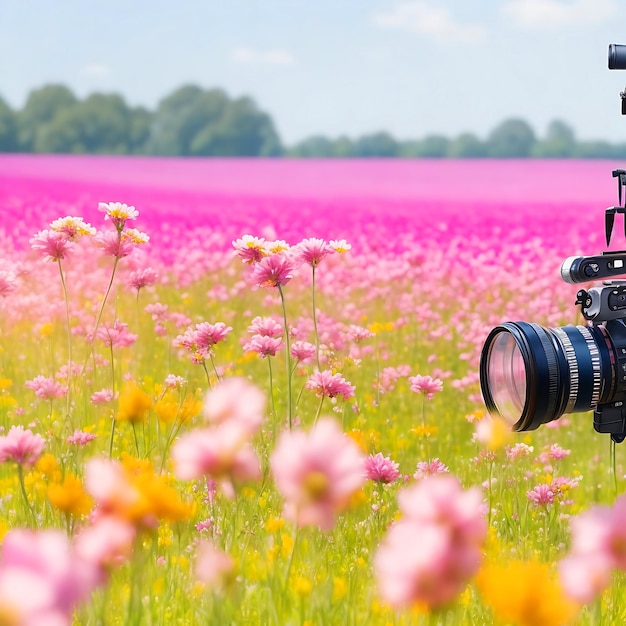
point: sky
(335, 67)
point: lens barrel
(617, 56)
(531, 375)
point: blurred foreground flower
(431, 553)
(317, 473)
(42, 579)
(525, 594)
(21, 446)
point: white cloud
(555, 13)
(268, 57)
(423, 18)
(96, 69)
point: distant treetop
(192, 121)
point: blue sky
(411, 67)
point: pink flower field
(246, 392)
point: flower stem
(20, 475)
(319, 410)
(269, 362)
(206, 371)
(69, 340)
(288, 353)
(317, 337)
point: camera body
(531, 375)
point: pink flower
(121, 244)
(250, 249)
(46, 388)
(381, 469)
(541, 495)
(107, 543)
(317, 473)
(222, 452)
(430, 468)
(426, 385)
(303, 351)
(80, 438)
(142, 278)
(273, 271)
(236, 400)
(42, 578)
(118, 213)
(432, 552)
(116, 336)
(555, 453)
(327, 384)
(8, 283)
(175, 382)
(52, 245)
(199, 339)
(263, 345)
(102, 397)
(312, 251)
(266, 326)
(518, 450)
(72, 227)
(21, 446)
(212, 567)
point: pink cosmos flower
(317, 473)
(222, 452)
(212, 567)
(250, 249)
(118, 213)
(120, 244)
(263, 345)
(107, 543)
(266, 326)
(199, 339)
(8, 283)
(432, 552)
(554, 453)
(303, 351)
(142, 278)
(273, 271)
(102, 397)
(80, 438)
(327, 384)
(72, 227)
(381, 469)
(236, 400)
(117, 335)
(426, 385)
(518, 450)
(46, 388)
(430, 468)
(21, 446)
(312, 251)
(42, 578)
(541, 495)
(52, 245)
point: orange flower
(134, 404)
(69, 496)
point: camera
(531, 375)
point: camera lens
(531, 375)
(617, 56)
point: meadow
(246, 392)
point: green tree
(560, 141)
(8, 128)
(512, 138)
(316, 146)
(433, 147)
(42, 105)
(467, 146)
(379, 144)
(343, 147)
(195, 122)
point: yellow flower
(302, 586)
(274, 524)
(525, 593)
(166, 408)
(46, 329)
(5, 383)
(134, 404)
(69, 496)
(48, 467)
(340, 588)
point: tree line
(192, 121)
